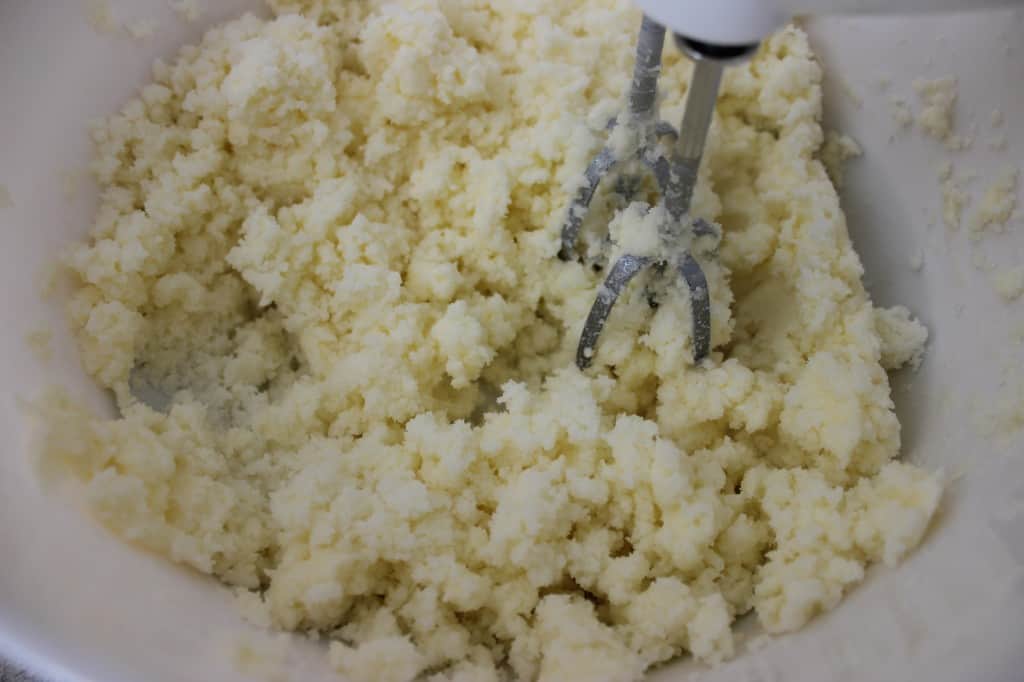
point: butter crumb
(938, 97)
(101, 16)
(997, 204)
(385, 659)
(903, 338)
(253, 608)
(838, 148)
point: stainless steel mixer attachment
(674, 168)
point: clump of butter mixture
(333, 233)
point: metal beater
(674, 168)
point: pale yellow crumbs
(334, 234)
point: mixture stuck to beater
(636, 141)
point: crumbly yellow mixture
(903, 338)
(100, 16)
(938, 100)
(997, 204)
(334, 233)
(835, 152)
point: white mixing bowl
(78, 604)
